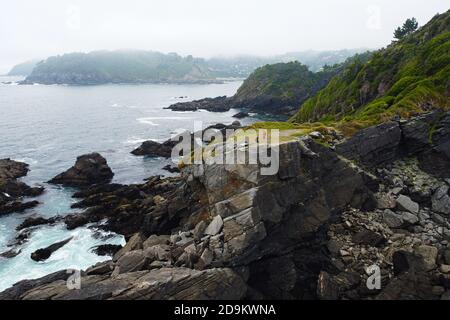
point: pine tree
(398, 33)
(409, 26)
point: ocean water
(49, 126)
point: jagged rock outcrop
(89, 169)
(156, 149)
(314, 230)
(217, 216)
(374, 145)
(12, 190)
(219, 104)
(426, 136)
(36, 221)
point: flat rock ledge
(158, 284)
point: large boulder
(441, 200)
(88, 170)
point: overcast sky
(37, 29)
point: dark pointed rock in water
(154, 149)
(241, 115)
(10, 254)
(74, 221)
(36, 221)
(45, 253)
(107, 249)
(16, 206)
(88, 170)
(171, 169)
(10, 169)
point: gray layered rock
(416, 132)
(255, 208)
(374, 145)
(405, 203)
(426, 136)
(161, 284)
(232, 216)
(309, 231)
(436, 158)
(441, 200)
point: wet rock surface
(12, 191)
(318, 229)
(34, 221)
(219, 104)
(241, 115)
(155, 149)
(45, 253)
(89, 169)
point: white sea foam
(168, 118)
(77, 254)
(27, 160)
(147, 121)
(134, 141)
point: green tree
(409, 26)
(398, 33)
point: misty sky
(37, 29)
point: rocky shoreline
(313, 231)
(13, 191)
(223, 104)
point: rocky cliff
(275, 89)
(312, 231)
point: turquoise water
(49, 126)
